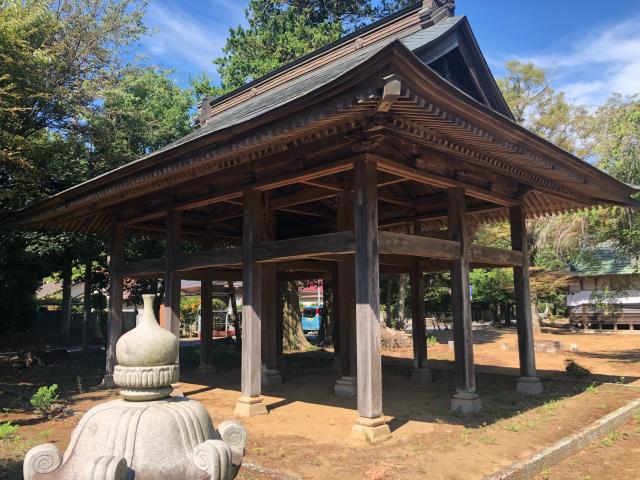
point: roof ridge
(412, 18)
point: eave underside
(425, 140)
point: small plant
(44, 399)
(431, 341)
(488, 439)
(514, 427)
(592, 388)
(79, 383)
(7, 431)
(464, 437)
(636, 417)
(551, 407)
(610, 439)
(315, 461)
(575, 369)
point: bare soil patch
(614, 457)
(306, 432)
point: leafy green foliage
(574, 369)
(279, 31)
(44, 399)
(7, 431)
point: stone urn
(147, 435)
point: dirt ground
(306, 432)
(613, 456)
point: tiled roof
(606, 259)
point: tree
(536, 106)
(145, 111)
(293, 336)
(279, 31)
(617, 145)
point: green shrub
(575, 369)
(44, 399)
(7, 430)
(431, 341)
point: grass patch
(8, 431)
(574, 369)
(610, 439)
(488, 439)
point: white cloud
(186, 42)
(605, 60)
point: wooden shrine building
(377, 153)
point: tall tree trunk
(86, 315)
(234, 310)
(326, 321)
(294, 338)
(65, 326)
(387, 302)
(402, 297)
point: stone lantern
(147, 434)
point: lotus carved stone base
(173, 438)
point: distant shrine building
(379, 153)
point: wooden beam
(305, 175)
(418, 246)
(497, 257)
(143, 268)
(434, 180)
(219, 257)
(305, 247)
(305, 196)
(367, 290)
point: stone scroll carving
(147, 435)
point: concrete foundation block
(530, 386)
(250, 407)
(346, 387)
(466, 403)
(271, 378)
(370, 430)
(421, 376)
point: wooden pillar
(370, 422)
(271, 376)
(420, 373)
(87, 304)
(529, 383)
(280, 323)
(251, 403)
(346, 385)
(465, 400)
(65, 322)
(171, 278)
(115, 318)
(206, 326)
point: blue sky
(591, 48)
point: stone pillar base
(421, 376)
(530, 386)
(271, 378)
(250, 407)
(371, 430)
(346, 387)
(466, 402)
(107, 381)
(206, 369)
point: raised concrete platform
(421, 376)
(466, 403)
(271, 378)
(371, 430)
(346, 387)
(530, 386)
(250, 407)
